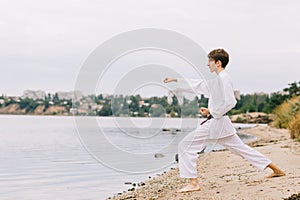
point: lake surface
(54, 157)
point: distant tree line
(153, 106)
(264, 102)
(30, 104)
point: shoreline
(237, 179)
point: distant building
(16, 99)
(142, 103)
(34, 94)
(72, 95)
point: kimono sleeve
(194, 86)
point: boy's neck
(219, 70)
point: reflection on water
(41, 157)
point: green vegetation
(28, 104)
(288, 116)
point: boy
(218, 127)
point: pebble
(141, 184)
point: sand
(224, 175)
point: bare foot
(189, 188)
(276, 174)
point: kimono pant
(196, 141)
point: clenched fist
(168, 80)
(204, 111)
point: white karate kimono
(219, 129)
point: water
(42, 157)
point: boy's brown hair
(219, 55)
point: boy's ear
(219, 63)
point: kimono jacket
(221, 99)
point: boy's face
(213, 65)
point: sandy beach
(224, 175)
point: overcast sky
(43, 44)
